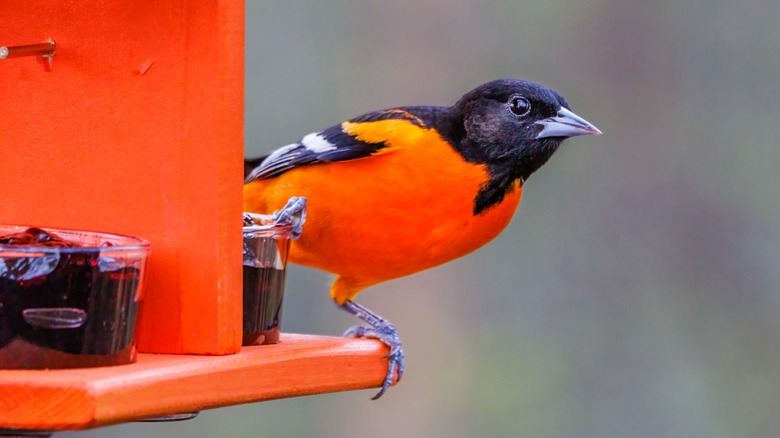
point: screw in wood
(47, 50)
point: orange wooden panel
(137, 129)
(167, 384)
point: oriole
(397, 191)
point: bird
(397, 191)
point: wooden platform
(160, 384)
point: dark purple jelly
(36, 237)
(75, 307)
(263, 291)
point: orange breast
(403, 210)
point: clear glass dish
(266, 245)
(68, 298)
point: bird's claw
(294, 213)
(388, 334)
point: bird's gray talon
(357, 331)
(384, 331)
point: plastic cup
(66, 306)
(266, 245)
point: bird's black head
(513, 126)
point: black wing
(251, 163)
(332, 144)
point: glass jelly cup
(73, 306)
(265, 265)
(266, 245)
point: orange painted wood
(137, 129)
(166, 384)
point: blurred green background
(636, 292)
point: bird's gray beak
(566, 124)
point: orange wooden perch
(160, 384)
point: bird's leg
(383, 330)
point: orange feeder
(127, 117)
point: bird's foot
(388, 334)
(384, 331)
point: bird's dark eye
(519, 105)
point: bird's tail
(251, 163)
